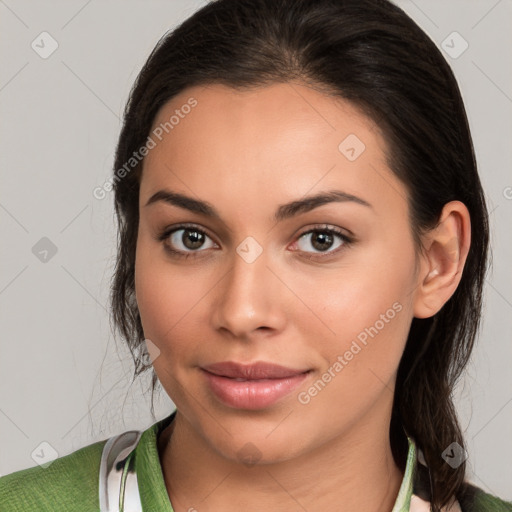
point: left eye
(322, 240)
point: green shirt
(71, 482)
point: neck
(355, 471)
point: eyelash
(164, 235)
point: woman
(302, 248)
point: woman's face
(253, 282)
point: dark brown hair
(372, 54)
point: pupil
(326, 240)
(192, 239)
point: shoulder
(68, 483)
(470, 497)
(474, 499)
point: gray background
(62, 380)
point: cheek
(162, 295)
(370, 319)
(363, 311)
(170, 300)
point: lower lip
(252, 394)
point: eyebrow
(284, 211)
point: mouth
(256, 371)
(254, 386)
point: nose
(249, 299)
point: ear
(441, 264)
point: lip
(254, 371)
(253, 386)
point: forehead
(262, 115)
(272, 143)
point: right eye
(184, 240)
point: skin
(246, 153)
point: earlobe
(445, 251)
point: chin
(252, 443)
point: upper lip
(258, 370)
